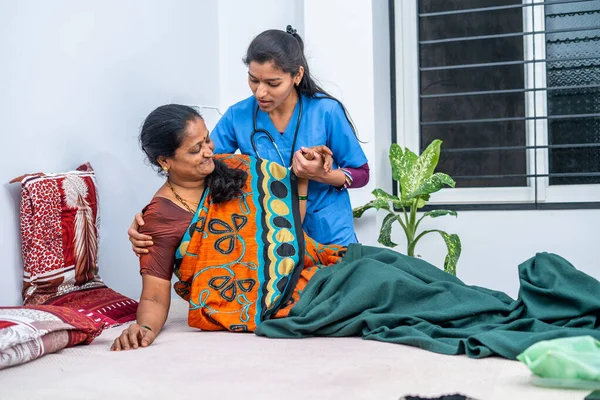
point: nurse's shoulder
(243, 108)
(228, 134)
(322, 103)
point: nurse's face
(270, 85)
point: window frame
(538, 194)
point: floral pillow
(60, 222)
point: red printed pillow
(29, 332)
(59, 231)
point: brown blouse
(166, 223)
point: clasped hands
(312, 163)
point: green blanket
(383, 295)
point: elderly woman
(229, 227)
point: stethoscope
(256, 130)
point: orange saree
(247, 260)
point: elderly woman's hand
(133, 337)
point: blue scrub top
(328, 217)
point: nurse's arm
(334, 178)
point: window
(512, 87)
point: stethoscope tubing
(256, 130)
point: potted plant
(416, 181)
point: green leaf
(377, 204)
(382, 204)
(454, 250)
(420, 169)
(407, 178)
(433, 184)
(422, 201)
(439, 213)
(428, 160)
(395, 159)
(359, 211)
(386, 231)
(383, 195)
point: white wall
(239, 22)
(76, 81)
(496, 242)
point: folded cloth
(29, 332)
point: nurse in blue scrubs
(287, 114)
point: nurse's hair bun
(290, 30)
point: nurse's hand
(139, 241)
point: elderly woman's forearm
(154, 304)
(152, 315)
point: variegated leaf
(379, 204)
(433, 184)
(382, 194)
(454, 249)
(428, 160)
(359, 211)
(422, 169)
(407, 174)
(382, 201)
(395, 160)
(439, 213)
(386, 231)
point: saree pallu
(246, 260)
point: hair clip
(290, 30)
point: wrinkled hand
(133, 337)
(139, 242)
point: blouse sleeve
(357, 177)
(166, 223)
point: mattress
(186, 362)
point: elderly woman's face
(193, 159)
